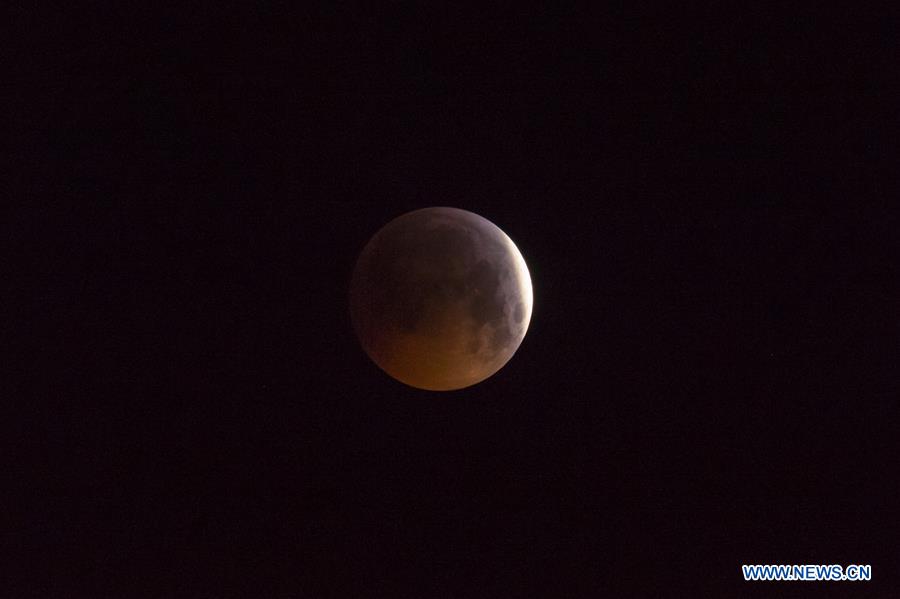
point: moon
(440, 298)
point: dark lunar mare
(426, 259)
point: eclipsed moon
(440, 298)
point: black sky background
(705, 202)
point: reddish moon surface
(440, 298)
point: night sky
(706, 204)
